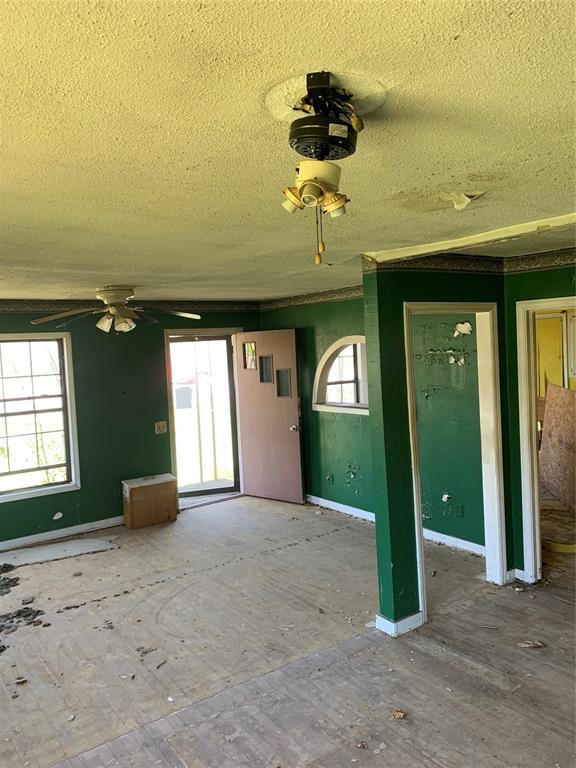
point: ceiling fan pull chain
(319, 243)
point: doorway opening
(203, 413)
(454, 402)
(547, 403)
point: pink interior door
(268, 415)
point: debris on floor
(7, 583)
(72, 607)
(28, 600)
(399, 714)
(9, 622)
(143, 651)
(6, 567)
(534, 644)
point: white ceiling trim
(481, 238)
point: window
(36, 455)
(249, 352)
(340, 383)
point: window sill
(359, 410)
(32, 493)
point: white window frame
(321, 379)
(74, 483)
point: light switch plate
(160, 427)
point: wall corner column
(398, 542)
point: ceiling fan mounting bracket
(328, 133)
(115, 294)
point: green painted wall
(445, 374)
(544, 284)
(120, 383)
(347, 458)
(390, 446)
(335, 446)
(384, 295)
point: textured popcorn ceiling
(137, 147)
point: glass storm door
(203, 415)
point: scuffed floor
(203, 616)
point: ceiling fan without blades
(115, 314)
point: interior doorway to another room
(454, 412)
(547, 400)
(203, 413)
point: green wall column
(396, 544)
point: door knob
(294, 428)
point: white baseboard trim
(354, 511)
(515, 574)
(452, 541)
(395, 628)
(61, 533)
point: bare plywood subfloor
(472, 699)
(231, 592)
(59, 550)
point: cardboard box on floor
(150, 500)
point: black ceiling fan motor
(328, 133)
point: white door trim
(526, 341)
(490, 429)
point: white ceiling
(137, 147)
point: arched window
(340, 384)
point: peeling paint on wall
(462, 329)
(352, 476)
(448, 427)
(441, 356)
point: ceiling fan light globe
(292, 202)
(105, 323)
(289, 206)
(123, 324)
(335, 204)
(311, 194)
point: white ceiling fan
(115, 313)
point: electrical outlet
(160, 427)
